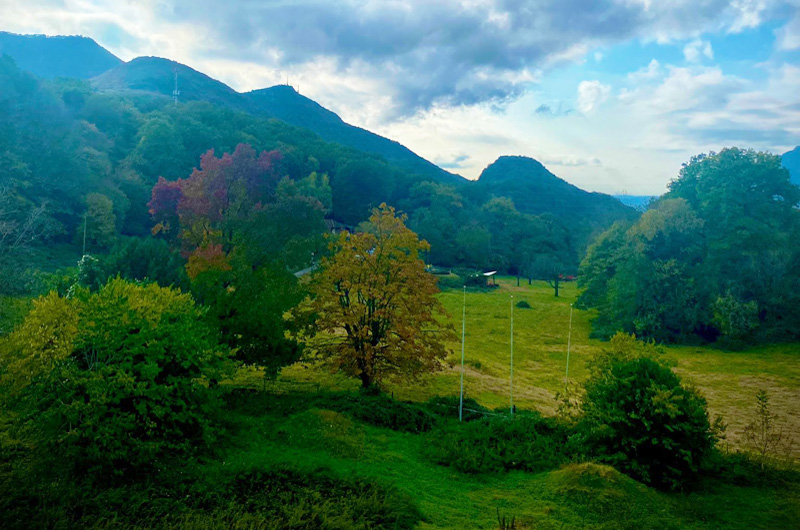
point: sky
(612, 96)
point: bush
(523, 304)
(526, 442)
(381, 410)
(113, 382)
(641, 419)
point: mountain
(791, 161)
(535, 190)
(157, 75)
(638, 202)
(50, 57)
(285, 103)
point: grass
(729, 380)
(312, 431)
(282, 431)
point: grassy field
(729, 380)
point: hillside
(791, 161)
(286, 104)
(50, 57)
(157, 75)
(535, 190)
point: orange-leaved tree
(374, 307)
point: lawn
(729, 380)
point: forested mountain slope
(49, 57)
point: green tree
(374, 310)
(101, 229)
(114, 382)
(640, 417)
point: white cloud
(591, 94)
(788, 36)
(696, 50)
(649, 72)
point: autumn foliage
(375, 305)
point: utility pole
(511, 378)
(569, 343)
(463, 334)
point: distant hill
(791, 161)
(50, 57)
(157, 75)
(535, 190)
(639, 202)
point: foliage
(241, 227)
(715, 257)
(735, 319)
(764, 436)
(113, 382)
(641, 419)
(528, 442)
(374, 306)
(383, 411)
(144, 259)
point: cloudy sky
(611, 95)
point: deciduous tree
(376, 313)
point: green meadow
(728, 379)
(289, 425)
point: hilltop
(535, 190)
(49, 57)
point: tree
(550, 269)
(642, 419)
(101, 229)
(242, 230)
(115, 381)
(714, 258)
(374, 306)
(20, 227)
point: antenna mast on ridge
(176, 92)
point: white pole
(511, 378)
(569, 343)
(463, 333)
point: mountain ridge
(58, 56)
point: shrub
(523, 304)
(381, 410)
(641, 419)
(526, 442)
(112, 382)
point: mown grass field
(729, 380)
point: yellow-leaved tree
(373, 306)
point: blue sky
(611, 95)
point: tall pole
(511, 378)
(463, 334)
(569, 343)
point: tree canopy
(374, 310)
(716, 257)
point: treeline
(716, 258)
(91, 160)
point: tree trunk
(556, 287)
(366, 380)
(517, 280)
